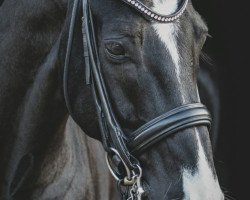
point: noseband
(122, 149)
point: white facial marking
(202, 184)
(167, 32)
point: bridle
(121, 149)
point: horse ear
(77, 94)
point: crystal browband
(152, 15)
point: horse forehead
(119, 13)
(164, 32)
(165, 7)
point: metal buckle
(136, 190)
(131, 181)
(127, 180)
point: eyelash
(116, 59)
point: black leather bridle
(122, 149)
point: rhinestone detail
(150, 14)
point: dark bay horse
(149, 69)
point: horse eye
(115, 48)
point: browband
(151, 15)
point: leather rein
(121, 149)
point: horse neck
(32, 109)
(78, 168)
(54, 157)
(32, 113)
(33, 145)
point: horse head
(146, 59)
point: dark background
(228, 23)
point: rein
(121, 149)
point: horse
(149, 68)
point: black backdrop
(228, 22)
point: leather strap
(110, 129)
(67, 58)
(171, 122)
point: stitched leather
(171, 122)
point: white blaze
(202, 184)
(167, 32)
